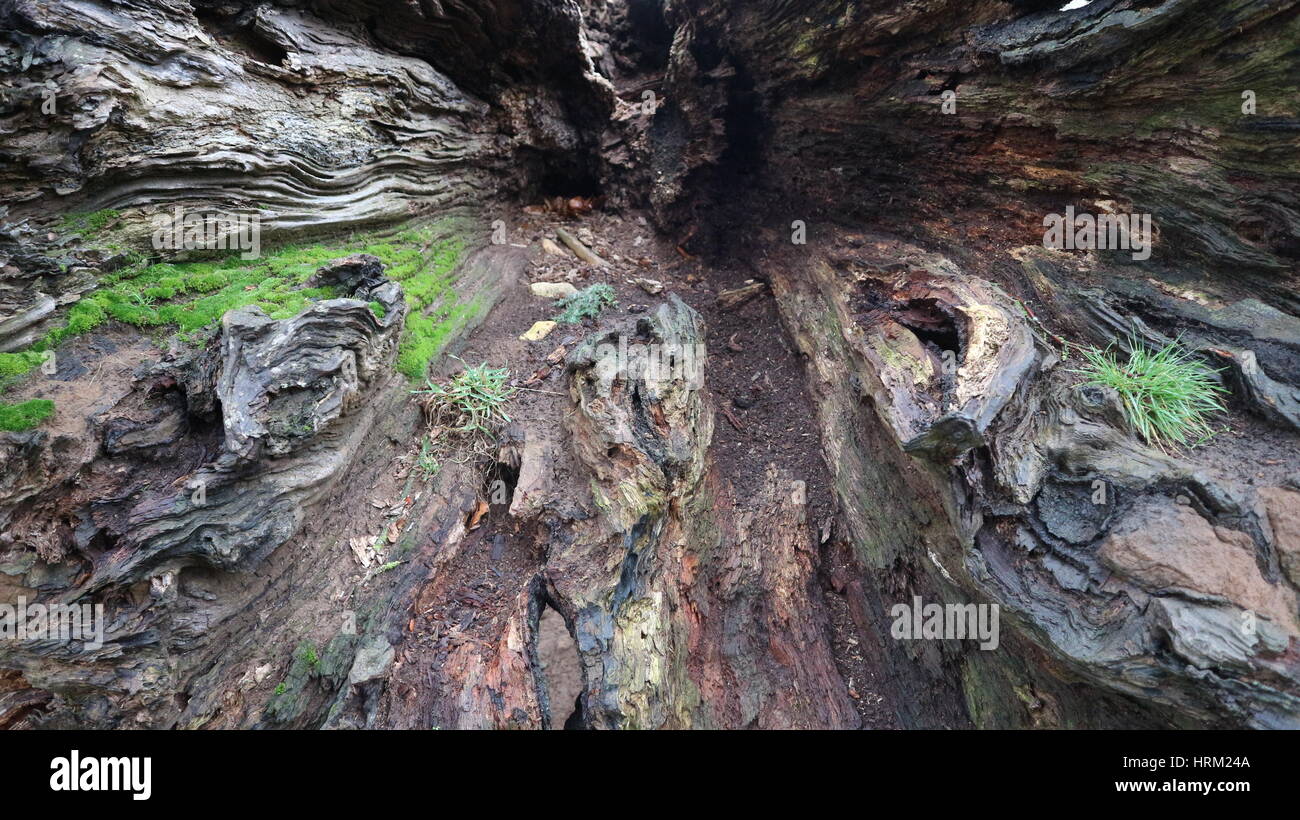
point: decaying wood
(632, 566)
(228, 503)
(734, 298)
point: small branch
(580, 250)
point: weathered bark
(226, 553)
(689, 611)
(836, 115)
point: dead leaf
(538, 377)
(479, 511)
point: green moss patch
(25, 415)
(14, 365)
(90, 224)
(191, 296)
(426, 272)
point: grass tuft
(1168, 395)
(470, 402)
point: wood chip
(361, 550)
(726, 411)
(729, 299)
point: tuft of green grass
(15, 418)
(470, 402)
(586, 303)
(427, 463)
(1168, 394)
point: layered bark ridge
(316, 114)
(224, 499)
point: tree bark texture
(327, 579)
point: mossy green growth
(15, 418)
(307, 652)
(192, 296)
(425, 336)
(90, 224)
(14, 365)
(378, 309)
(287, 701)
(426, 272)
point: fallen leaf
(479, 511)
